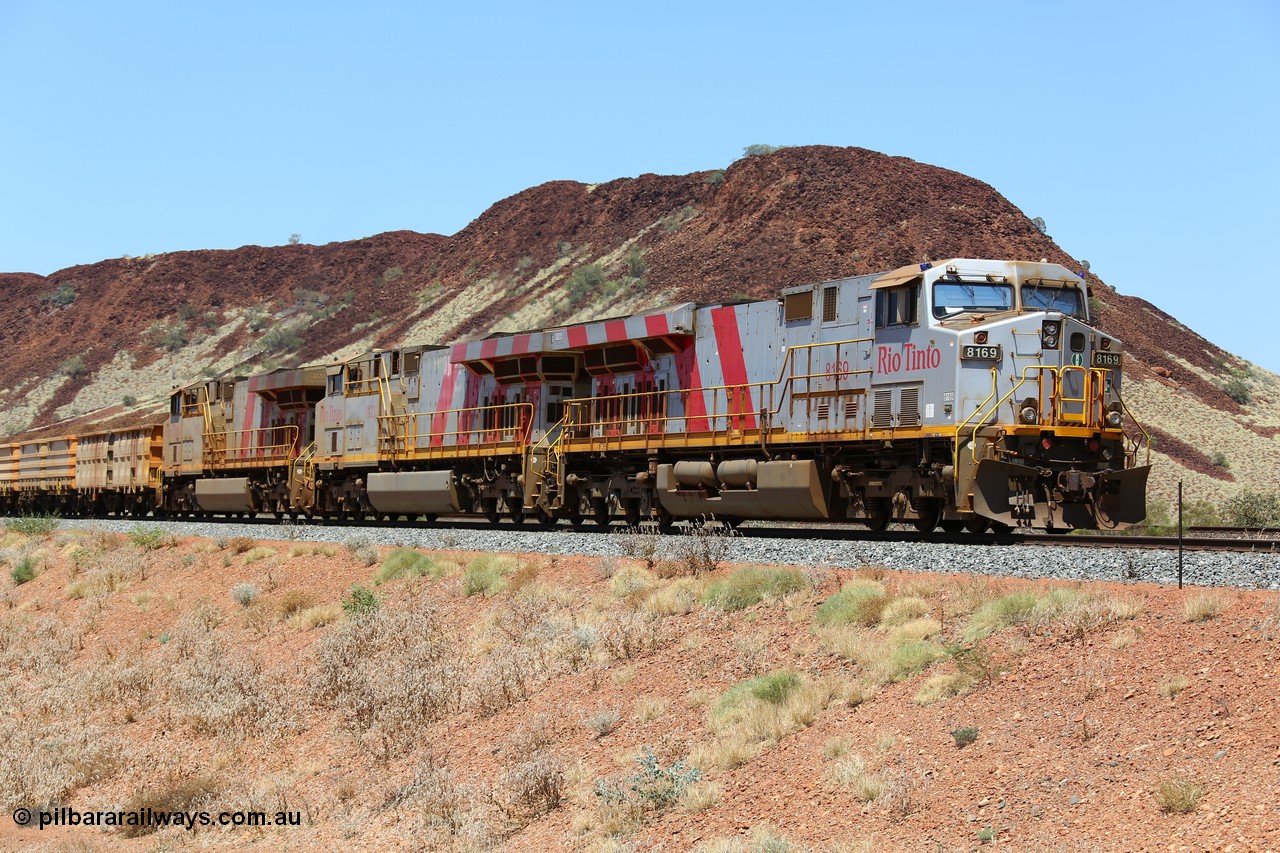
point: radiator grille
(881, 413)
(824, 411)
(851, 409)
(829, 296)
(909, 407)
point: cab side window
(898, 306)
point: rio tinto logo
(911, 358)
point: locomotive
(963, 394)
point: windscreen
(1038, 297)
(956, 297)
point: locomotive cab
(1039, 418)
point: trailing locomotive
(963, 394)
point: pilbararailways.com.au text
(150, 817)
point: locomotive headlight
(1114, 418)
(1106, 343)
(1030, 415)
(1049, 330)
(979, 338)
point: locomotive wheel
(977, 525)
(928, 516)
(490, 508)
(600, 512)
(546, 519)
(1000, 527)
(878, 521)
(952, 525)
(631, 506)
(666, 521)
(515, 511)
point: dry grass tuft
(293, 601)
(943, 686)
(699, 797)
(1179, 796)
(315, 617)
(1205, 606)
(240, 544)
(1124, 639)
(852, 771)
(1172, 685)
(1123, 607)
(650, 708)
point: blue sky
(1145, 134)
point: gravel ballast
(1200, 568)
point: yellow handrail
(995, 379)
(1147, 457)
(785, 382)
(516, 418)
(1039, 368)
(223, 448)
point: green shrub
(404, 562)
(751, 585)
(1220, 460)
(859, 602)
(652, 786)
(150, 538)
(169, 337)
(913, 656)
(73, 367)
(584, 281)
(715, 178)
(390, 274)
(129, 400)
(281, 339)
(484, 576)
(965, 736)
(34, 525)
(1248, 508)
(635, 262)
(1237, 389)
(760, 150)
(360, 602)
(1000, 613)
(24, 570)
(60, 297)
(773, 688)
(673, 221)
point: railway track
(1223, 539)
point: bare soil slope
(581, 704)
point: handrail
(995, 380)
(438, 421)
(220, 449)
(995, 409)
(785, 382)
(1147, 458)
(305, 459)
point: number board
(1106, 359)
(991, 351)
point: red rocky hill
(89, 344)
